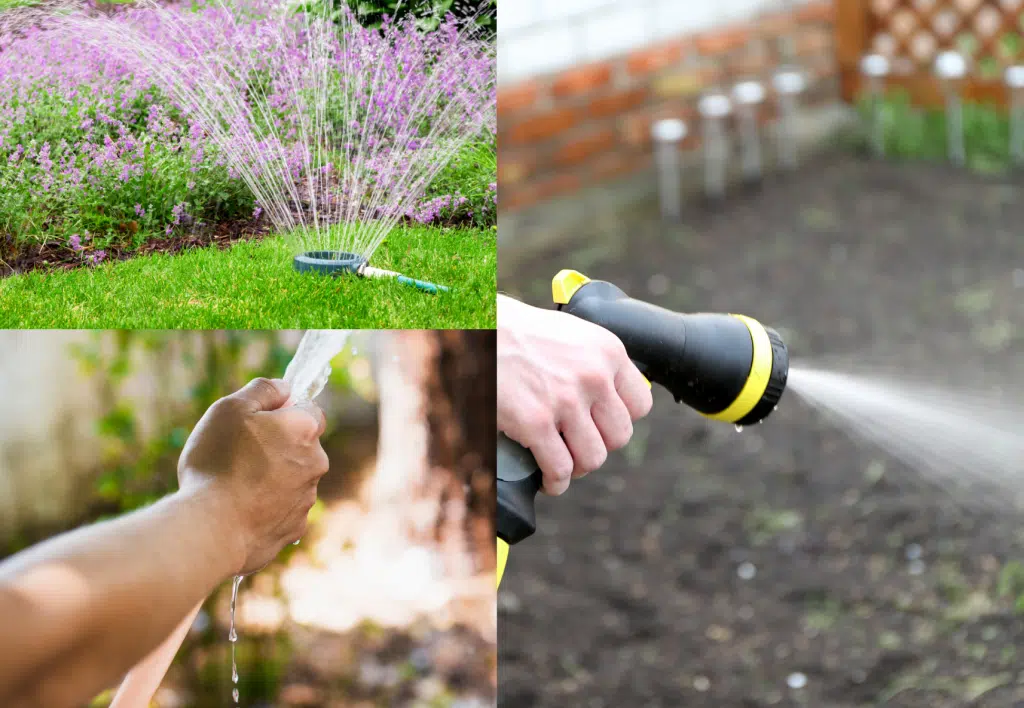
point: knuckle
(593, 377)
(227, 407)
(599, 458)
(321, 462)
(264, 385)
(619, 437)
(592, 460)
(538, 423)
(646, 402)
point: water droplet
(702, 683)
(234, 674)
(739, 428)
(234, 695)
(746, 570)
(796, 680)
(232, 635)
(296, 542)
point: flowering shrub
(114, 139)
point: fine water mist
(968, 442)
(338, 142)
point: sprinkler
(748, 96)
(341, 262)
(951, 68)
(788, 83)
(667, 135)
(875, 68)
(1015, 82)
(714, 109)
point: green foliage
(912, 133)
(1011, 584)
(102, 211)
(428, 13)
(140, 469)
(471, 174)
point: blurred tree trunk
(436, 461)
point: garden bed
(630, 594)
(155, 129)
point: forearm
(81, 609)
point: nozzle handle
(519, 480)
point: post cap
(670, 130)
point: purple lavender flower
(76, 242)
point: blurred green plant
(914, 133)
(1011, 585)
(428, 13)
(139, 468)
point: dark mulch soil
(631, 592)
(19, 257)
(16, 258)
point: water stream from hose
(307, 373)
(969, 442)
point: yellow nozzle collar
(502, 560)
(757, 379)
(565, 284)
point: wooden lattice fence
(911, 33)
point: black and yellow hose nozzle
(726, 367)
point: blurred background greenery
(387, 601)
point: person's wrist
(218, 510)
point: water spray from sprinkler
(1015, 85)
(951, 67)
(748, 96)
(789, 83)
(714, 109)
(875, 69)
(668, 135)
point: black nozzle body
(723, 366)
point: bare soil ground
(632, 593)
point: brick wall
(591, 122)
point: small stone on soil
(796, 680)
(702, 683)
(658, 284)
(916, 567)
(913, 552)
(746, 571)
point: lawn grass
(253, 286)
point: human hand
(261, 462)
(566, 390)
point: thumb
(264, 394)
